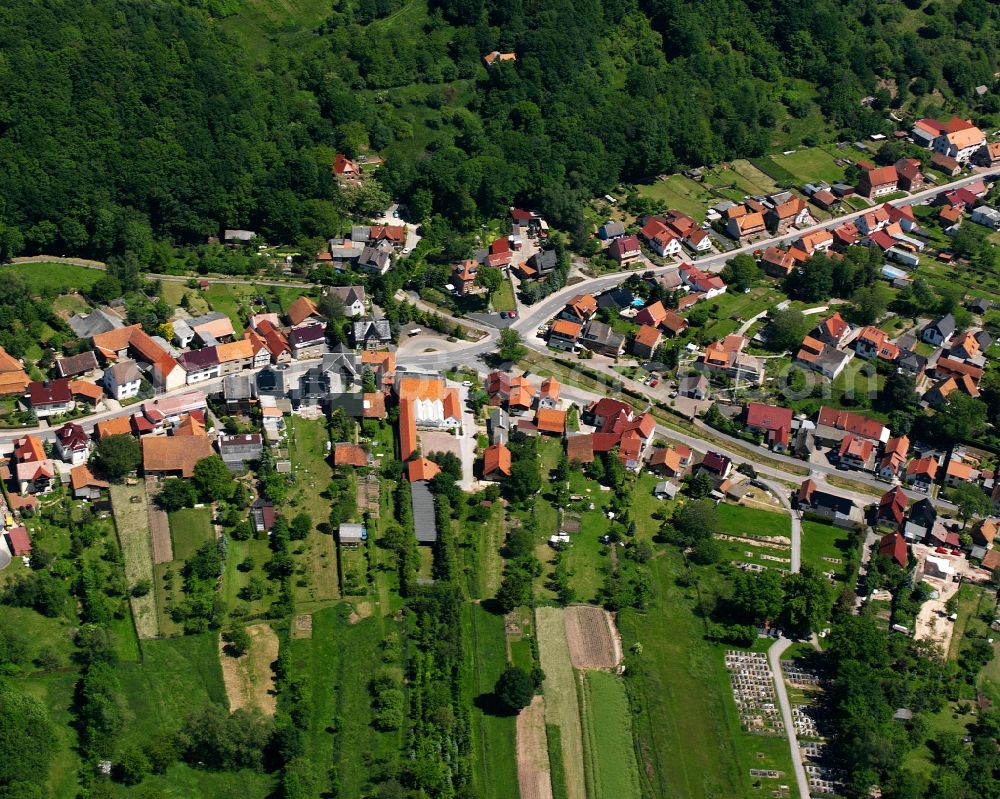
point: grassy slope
(60, 278)
(741, 520)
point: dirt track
(533, 775)
(592, 637)
(249, 679)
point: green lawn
(609, 757)
(57, 278)
(742, 520)
(307, 440)
(340, 735)
(821, 541)
(810, 165)
(503, 298)
(55, 692)
(681, 193)
(494, 758)
(176, 676)
(738, 179)
(683, 728)
(189, 529)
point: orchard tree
(118, 455)
(213, 479)
(786, 330)
(175, 494)
(515, 688)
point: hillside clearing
(249, 679)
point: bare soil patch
(249, 679)
(369, 495)
(129, 505)
(533, 775)
(303, 627)
(593, 639)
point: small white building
(984, 215)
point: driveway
(774, 658)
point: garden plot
(593, 640)
(249, 679)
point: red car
(941, 550)
(956, 552)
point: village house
(239, 449)
(777, 262)
(959, 139)
(820, 357)
(496, 462)
(162, 369)
(76, 365)
(464, 277)
(984, 215)
(308, 341)
(704, 283)
(548, 395)
(33, 470)
(878, 182)
(872, 342)
(893, 546)
(84, 484)
(647, 339)
(832, 424)
(123, 380)
(601, 338)
(958, 472)
(345, 168)
(909, 174)
(199, 365)
(72, 444)
(716, 465)
(891, 508)
(939, 332)
(792, 213)
(611, 230)
(988, 155)
(371, 334)
(839, 510)
(745, 226)
(579, 308)
(564, 334)
(771, 421)
(660, 238)
(13, 379)
(856, 453)
(693, 386)
(893, 458)
(351, 297)
(625, 250)
(727, 357)
(833, 330)
(303, 312)
(921, 473)
(425, 401)
(50, 397)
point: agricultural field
(132, 523)
(533, 769)
(560, 692)
(611, 769)
(738, 179)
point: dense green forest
(123, 124)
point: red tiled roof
(496, 458)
